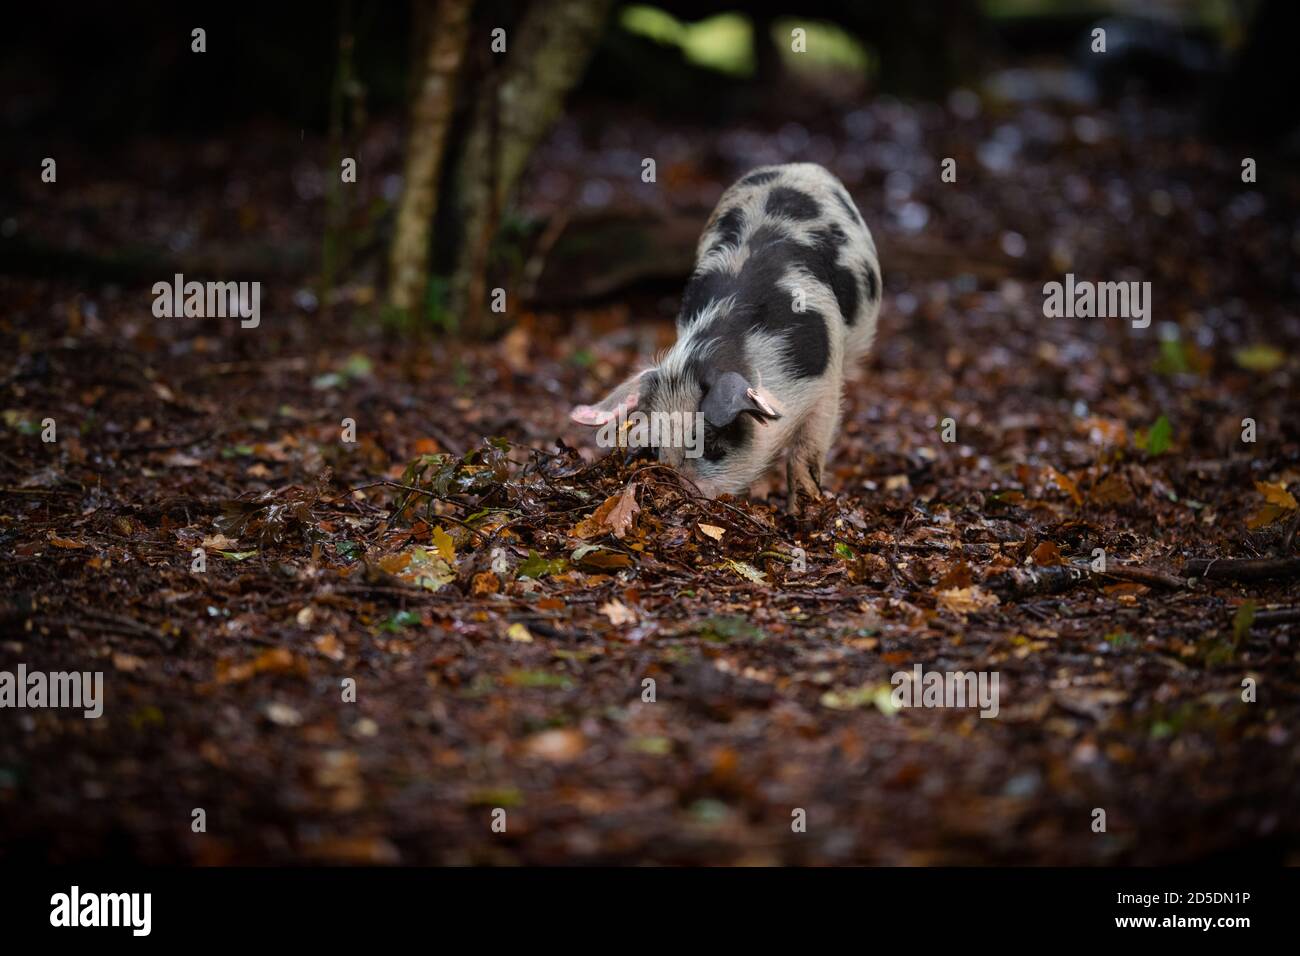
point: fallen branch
(1146, 576)
(1056, 579)
(1241, 569)
(1281, 615)
(1024, 582)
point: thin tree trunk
(547, 55)
(431, 113)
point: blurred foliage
(725, 42)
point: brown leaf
(485, 582)
(620, 517)
(1275, 493)
(560, 745)
(1064, 482)
(957, 575)
(618, 612)
(1114, 489)
(1047, 554)
(594, 524)
(964, 601)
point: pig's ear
(730, 395)
(617, 403)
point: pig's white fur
(809, 407)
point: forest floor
(502, 606)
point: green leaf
(497, 797)
(430, 570)
(400, 620)
(358, 365)
(1241, 622)
(654, 746)
(852, 698)
(746, 571)
(844, 551)
(537, 567)
(533, 678)
(728, 628)
(1157, 439)
(1259, 358)
(1173, 358)
(237, 555)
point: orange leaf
(1275, 493)
(1065, 483)
(1047, 554)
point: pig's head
(707, 420)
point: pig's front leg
(808, 451)
(803, 476)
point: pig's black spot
(702, 289)
(720, 442)
(762, 305)
(847, 202)
(759, 178)
(727, 231)
(873, 283)
(808, 344)
(791, 203)
(827, 243)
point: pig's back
(783, 237)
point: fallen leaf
(746, 571)
(1156, 440)
(1241, 622)
(600, 558)
(560, 745)
(1278, 502)
(1275, 493)
(446, 547)
(956, 576)
(1259, 358)
(1047, 554)
(965, 601)
(535, 566)
(485, 582)
(237, 555)
(283, 715)
(618, 613)
(621, 515)
(614, 515)
(329, 646)
(713, 531)
(1065, 483)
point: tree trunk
(545, 58)
(431, 112)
